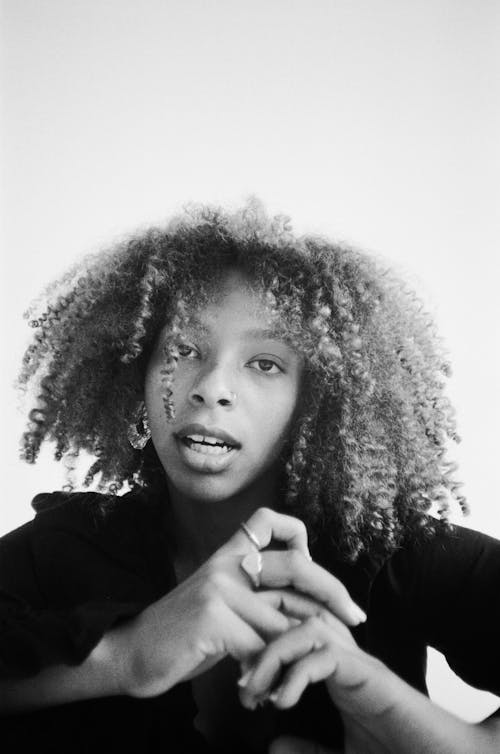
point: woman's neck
(197, 528)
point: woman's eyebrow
(198, 326)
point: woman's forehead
(235, 295)
(233, 280)
(236, 302)
(233, 290)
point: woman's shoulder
(90, 503)
(455, 569)
(450, 549)
(92, 513)
(73, 532)
(440, 590)
(82, 563)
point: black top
(87, 561)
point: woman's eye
(186, 351)
(265, 365)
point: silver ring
(251, 536)
(251, 564)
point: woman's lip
(204, 463)
(206, 431)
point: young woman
(265, 398)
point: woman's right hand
(215, 612)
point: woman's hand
(382, 714)
(319, 648)
(215, 612)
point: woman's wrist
(121, 659)
(386, 714)
(128, 661)
(99, 675)
(110, 663)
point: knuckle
(301, 527)
(323, 615)
(212, 583)
(206, 594)
(210, 569)
(263, 515)
(315, 623)
(217, 580)
(206, 606)
(211, 609)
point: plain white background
(372, 121)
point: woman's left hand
(319, 648)
(381, 712)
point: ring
(252, 566)
(251, 536)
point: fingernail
(242, 682)
(273, 697)
(358, 614)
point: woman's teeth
(208, 446)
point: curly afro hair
(367, 456)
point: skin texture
(229, 375)
(212, 614)
(381, 713)
(375, 393)
(249, 387)
(368, 452)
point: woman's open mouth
(206, 450)
(206, 445)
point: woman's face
(235, 391)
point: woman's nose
(212, 389)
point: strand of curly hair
(367, 456)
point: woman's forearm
(382, 713)
(415, 725)
(103, 673)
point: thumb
(294, 745)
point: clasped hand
(292, 631)
(215, 612)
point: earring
(138, 432)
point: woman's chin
(205, 488)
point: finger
(239, 641)
(237, 638)
(288, 648)
(355, 680)
(297, 606)
(294, 745)
(271, 613)
(291, 569)
(267, 525)
(262, 614)
(312, 668)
